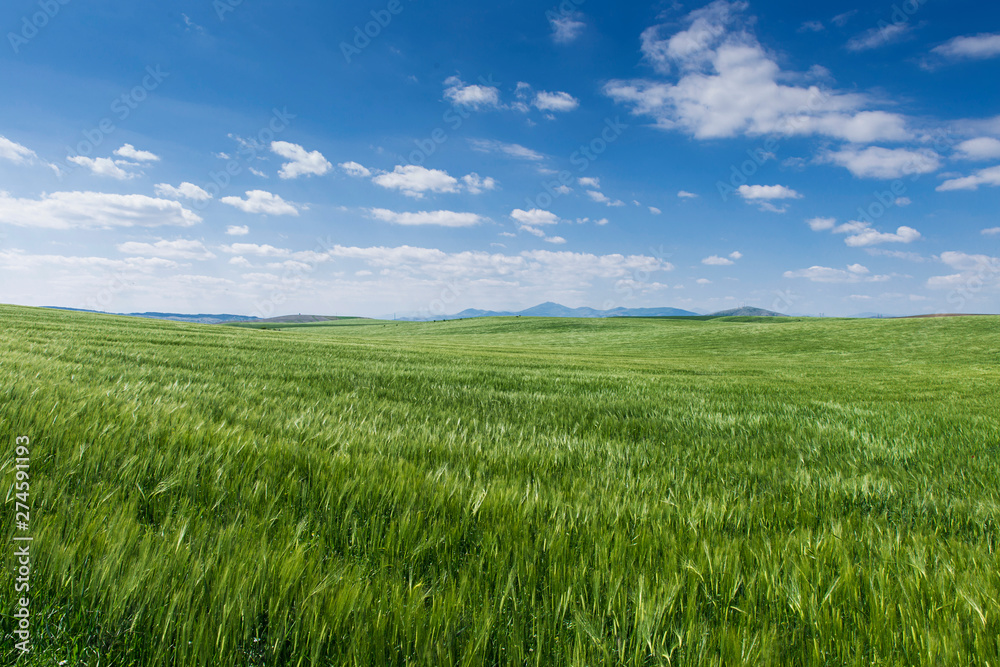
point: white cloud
(884, 163)
(767, 192)
(715, 260)
(255, 250)
(302, 162)
(989, 176)
(855, 273)
(15, 152)
(566, 28)
(654, 210)
(179, 249)
(601, 222)
(983, 148)
(474, 184)
(736, 255)
(812, 26)
(973, 270)
(355, 169)
(992, 231)
(684, 194)
(237, 230)
(867, 237)
(260, 201)
(130, 152)
(184, 190)
(413, 180)
(703, 281)
(558, 240)
(903, 201)
(557, 101)
(440, 218)
(878, 37)
(511, 150)
(981, 46)
(729, 85)
(602, 198)
(475, 96)
(104, 166)
(820, 224)
(534, 217)
(93, 210)
(589, 182)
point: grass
(507, 491)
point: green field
(506, 491)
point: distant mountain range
(550, 309)
(547, 309)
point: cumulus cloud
(728, 85)
(992, 231)
(557, 101)
(260, 201)
(237, 230)
(355, 169)
(654, 210)
(15, 152)
(413, 180)
(867, 236)
(567, 27)
(982, 148)
(972, 270)
(972, 47)
(104, 166)
(534, 217)
(758, 192)
(763, 196)
(439, 218)
(93, 210)
(256, 250)
(602, 198)
(179, 249)
(684, 194)
(130, 152)
(715, 260)
(589, 182)
(182, 191)
(511, 150)
(471, 95)
(301, 162)
(990, 176)
(884, 163)
(475, 184)
(821, 224)
(855, 273)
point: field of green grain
(506, 491)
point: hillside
(504, 491)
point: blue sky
(367, 158)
